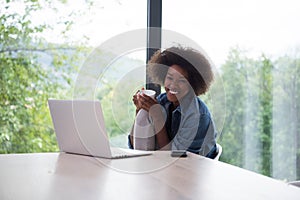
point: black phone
(178, 153)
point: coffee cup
(150, 93)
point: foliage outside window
(32, 70)
(261, 131)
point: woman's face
(176, 84)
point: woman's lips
(174, 92)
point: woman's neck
(174, 105)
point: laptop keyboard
(119, 153)
(125, 153)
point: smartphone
(178, 153)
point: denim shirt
(191, 127)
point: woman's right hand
(135, 99)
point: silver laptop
(80, 129)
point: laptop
(80, 129)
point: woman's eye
(169, 78)
(182, 81)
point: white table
(57, 176)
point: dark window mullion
(154, 21)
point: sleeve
(196, 134)
(209, 143)
(186, 134)
(129, 143)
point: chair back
(295, 183)
(219, 149)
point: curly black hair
(197, 66)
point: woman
(182, 121)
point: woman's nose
(172, 84)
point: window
(42, 56)
(255, 48)
(253, 44)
